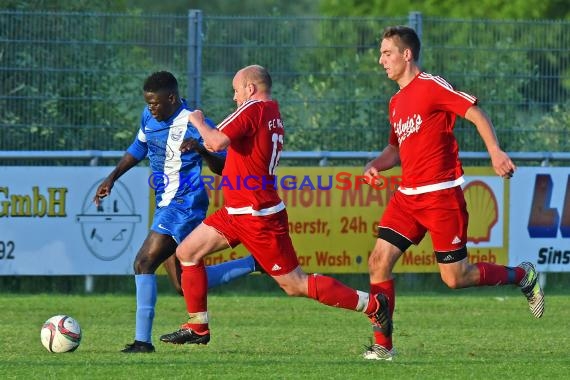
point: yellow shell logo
(483, 211)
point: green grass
(452, 335)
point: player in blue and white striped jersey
(175, 153)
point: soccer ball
(61, 333)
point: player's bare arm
(214, 140)
(387, 159)
(501, 162)
(104, 189)
(214, 162)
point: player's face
(161, 104)
(241, 89)
(391, 59)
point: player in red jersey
(253, 213)
(430, 199)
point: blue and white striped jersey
(175, 175)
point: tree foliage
(488, 9)
(78, 98)
(180, 7)
(73, 80)
(66, 6)
(224, 7)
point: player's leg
(228, 271)
(397, 231)
(155, 249)
(173, 271)
(178, 223)
(386, 252)
(324, 289)
(457, 272)
(201, 241)
(448, 229)
(332, 292)
(462, 274)
(169, 225)
(218, 274)
(268, 239)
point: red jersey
(256, 136)
(422, 116)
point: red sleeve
(242, 122)
(450, 100)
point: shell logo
(483, 211)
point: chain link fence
(72, 81)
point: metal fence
(71, 81)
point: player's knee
(376, 259)
(294, 283)
(292, 291)
(379, 263)
(143, 265)
(292, 288)
(453, 280)
(183, 255)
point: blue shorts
(176, 221)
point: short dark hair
(161, 80)
(407, 37)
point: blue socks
(146, 300)
(146, 291)
(225, 272)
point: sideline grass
(447, 336)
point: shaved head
(257, 75)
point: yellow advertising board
(333, 218)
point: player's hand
(502, 164)
(191, 144)
(208, 147)
(196, 118)
(371, 174)
(103, 190)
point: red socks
(493, 274)
(331, 292)
(386, 288)
(194, 282)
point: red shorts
(442, 213)
(265, 237)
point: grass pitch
(486, 334)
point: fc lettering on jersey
(274, 124)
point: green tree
(225, 7)
(66, 6)
(519, 69)
(70, 100)
(488, 9)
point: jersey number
(277, 140)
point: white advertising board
(49, 224)
(539, 229)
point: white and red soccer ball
(61, 333)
